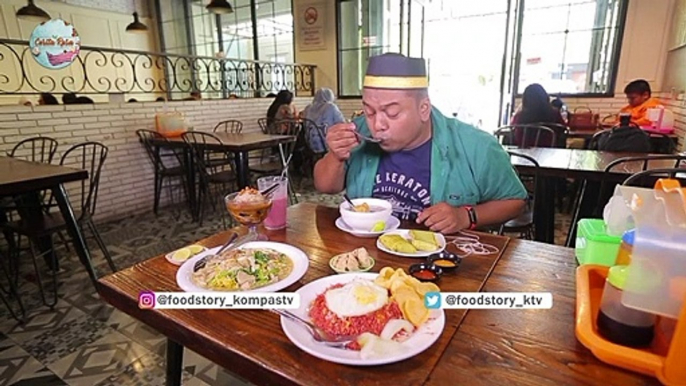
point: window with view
(571, 46)
(372, 27)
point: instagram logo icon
(146, 300)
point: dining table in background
(19, 177)
(252, 344)
(577, 164)
(240, 144)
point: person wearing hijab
(281, 108)
(535, 108)
(324, 113)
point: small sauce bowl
(426, 272)
(445, 260)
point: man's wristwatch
(471, 212)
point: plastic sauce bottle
(618, 323)
(626, 248)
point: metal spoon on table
(319, 335)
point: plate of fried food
(385, 312)
(411, 243)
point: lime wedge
(195, 249)
(379, 226)
(182, 254)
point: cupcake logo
(55, 44)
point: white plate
(299, 258)
(391, 224)
(426, 335)
(406, 234)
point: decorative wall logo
(311, 15)
(55, 44)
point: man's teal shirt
(468, 166)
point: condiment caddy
(641, 303)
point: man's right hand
(341, 140)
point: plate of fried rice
(354, 304)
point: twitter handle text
(489, 300)
(229, 300)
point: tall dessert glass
(249, 208)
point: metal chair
(662, 143)
(35, 149)
(268, 167)
(533, 135)
(210, 174)
(524, 223)
(162, 170)
(647, 178)
(91, 157)
(315, 139)
(603, 191)
(230, 126)
(262, 122)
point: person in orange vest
(640, 100)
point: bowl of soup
(367, 213)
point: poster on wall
(55, 44)
(311, 22)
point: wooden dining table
(528, 347)
(578, 164)
(239, 144)
(252, 344)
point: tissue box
(594, 245)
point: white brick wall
(126, 185)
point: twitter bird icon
(432, 300)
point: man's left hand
(444, 218)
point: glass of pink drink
(277, 215)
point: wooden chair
(163, 170)
(524, 223)
(230, 126)
(532, 136)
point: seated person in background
(47, 99)
(69, 98)
(435, 170)
(536, 108)
(640, 100)
(281, 108)
(24, 101)
(132, 100)
(160, 99)
(324, 113)
(84, 100)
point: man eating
(435, 170)
(640, 100)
